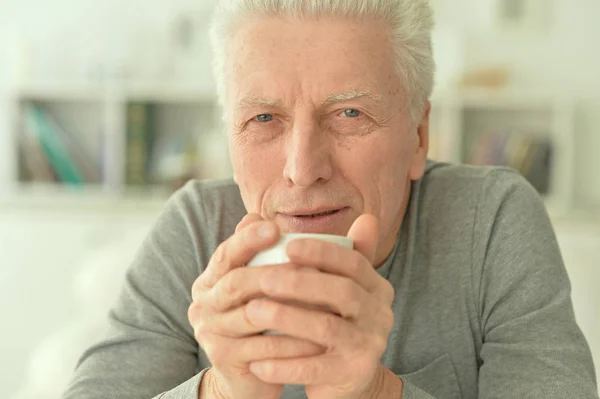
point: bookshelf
(95, 123)
(183, 116)
(533, 132)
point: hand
(355, 337)
(219, 319)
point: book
(34, 160)
(140, 139)
(54, 149)
(80, 156)
(531, 155)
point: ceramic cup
(276, 255)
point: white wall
(44, 253)
(66, 34)
(564, 59)
(567, 59)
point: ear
(419, 159)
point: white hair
(410, 24)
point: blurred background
(106, 107)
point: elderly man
(455, 286)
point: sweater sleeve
(532, 346)
(150, 351)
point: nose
(308, 155)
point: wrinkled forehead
(327, 57)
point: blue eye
(264, 118)
(352, 113)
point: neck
(387, 245)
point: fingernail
(266, 230)
(255, 310)
(255, 367)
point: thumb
(248, 220)
(365, 234)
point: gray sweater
(482, 307)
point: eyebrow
(251, 102)
(352, 95)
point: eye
(264, 118)
(351, 113)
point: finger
(239, 286)
(237, 251)
(364, 233)
(317, 370)
(330, 293)
(248, 220)
(277, 347)
(320, 327)
(231, 324)
(334, 259)
(222, 350)
(324, 369)
(340, 295)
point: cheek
(254, 171)
(381, 177)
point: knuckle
(350, 295)
(199, 284)
(328, 328)
(390, 292)
(195, 313)
(387, 318)
(221, 252)
(191, 313)
(229, 285)
(201, 329)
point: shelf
(168, 94)
(115, 93)
(61, 92)
(184, 112)
(498, 99)
(88, 198)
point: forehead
(274, 57)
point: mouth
(319, 214)
(324, 220)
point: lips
(326, 220)
(314, 215)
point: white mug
(276, 254)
